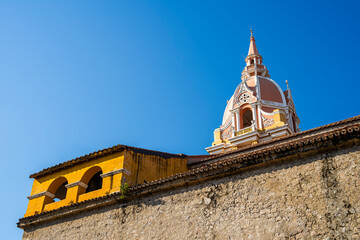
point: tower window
(252, 62)
(247, 118)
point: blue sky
(78, 76)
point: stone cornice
(45, 193)
(121, 170)
(78, 183)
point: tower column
(253, 107)
(237, 121)
(259, 116)
(233, 124)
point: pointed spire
(252, 49)
(254, 62)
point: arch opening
(93, 179)
(247, 118)
(58, 188)
(95, 183)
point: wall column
(38, 201)
(113, 180)
(74, 190)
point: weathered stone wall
(316, 197)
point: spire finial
(287, 84)
(252, 49)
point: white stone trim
(254, 115)
(121, 170)
(272, 113)
(271, 103)
(279, 131)
(233, 125)
(216, 148)
(258, 109)
(237, 120)
(257, 88)
(45, 193)
(245, 139)
(78, 183)
(275, 105)
(279, 88)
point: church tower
(258, 110)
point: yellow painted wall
(74, 174)
(148, 168)
(141, 168)
(279, 119)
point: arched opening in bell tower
(247, 118)
(95, 182)
(58, 188)
(93, 179)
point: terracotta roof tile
(102, 153)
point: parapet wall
(314, 195)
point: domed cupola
(258, 110)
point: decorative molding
(241, 90)
(244, 98)
(227, 133)
(45, 193)
(227, 124)
(78, 183)
(272, 113)
(271, 103)
(273, 106)
(121, 170)
(267, 121)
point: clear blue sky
(78, 76)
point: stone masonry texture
(312, 197)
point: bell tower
(258, 110)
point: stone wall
(313, 197)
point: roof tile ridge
(155, 151)
(76, 160)
(95, 154)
